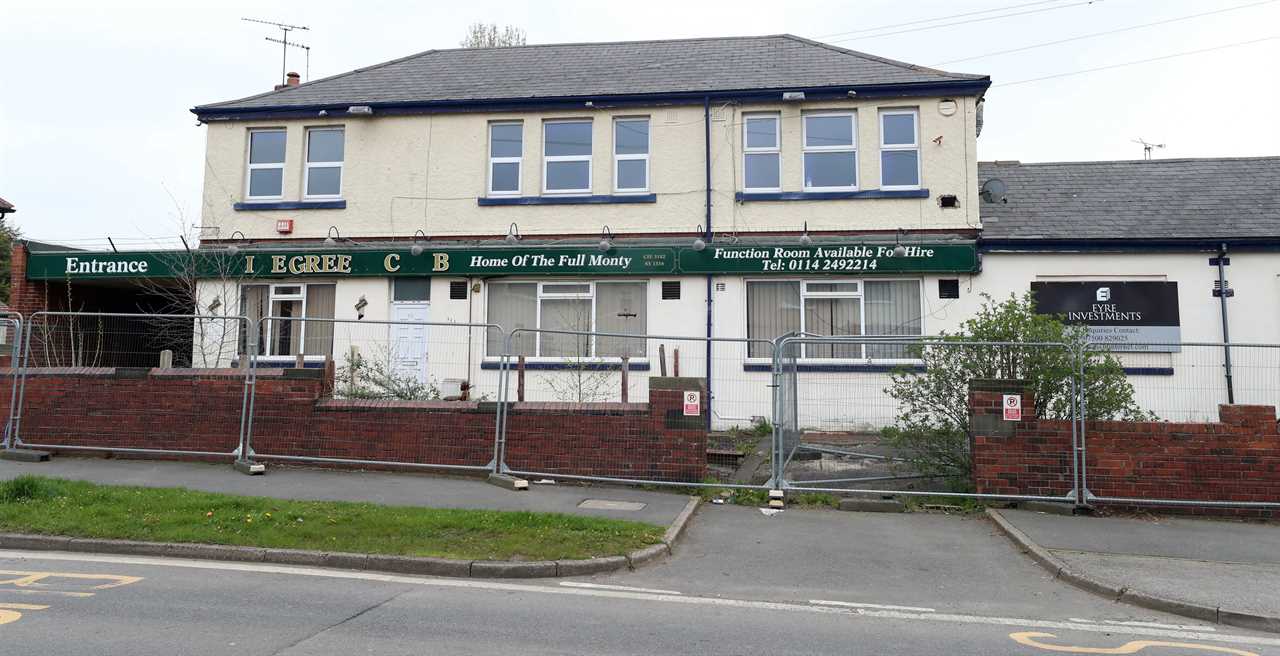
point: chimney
(291, 80)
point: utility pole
(284, 47)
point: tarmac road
(74, 604)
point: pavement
(1232, 567)
(388, 488)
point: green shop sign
(529, 260)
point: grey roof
(600, 69)
(6, 206)
(1212, 198)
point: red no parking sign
(1012, 407)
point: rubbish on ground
(718, 501)
(770, 512)
(544, 481)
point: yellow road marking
(1029, 638)
(60, 593)
(25, 579)
(9, 612)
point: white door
(409, 342)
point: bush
(28, 488)
(932, 427)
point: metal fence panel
(1180, 455)
(882, 415)
(395, 393)
(11, 352)
(132, 383)
(613, 407)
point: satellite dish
(995, 191)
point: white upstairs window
(899, 149)
(566, 148)
(323, 176)
(830, 152)
(264, 179)
(506, 149)
(761, 158)
(631, 155)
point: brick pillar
(989, 433)
(25, 296)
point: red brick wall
(1234, 459)
(199, 410)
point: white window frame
(547, 159)
(860, 294)
(518, 161)
(541, 294)
(250, 167)
(852, 148)
(545, 295)
(915, 145)
(274, 295)
(618, 158)
(776, 149)
(307, 165)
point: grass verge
(36, 504)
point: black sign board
(1126, 315)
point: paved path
(1226, 564)
(376, 487)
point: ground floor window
(287, 307)
(834, 307)
(578, 306)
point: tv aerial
(285, 44)
(1147, 147)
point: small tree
(481, 35)
(8, 235)
(932, 427)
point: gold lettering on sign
(344, 264)
(297, 264)
(248, 264)
(441, 262)
(277, 264)
(329, 262)
(313, 264)
(391, 263)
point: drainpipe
(1226, 334)
(706, 140)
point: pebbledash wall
(1235, 458)
(199, 410)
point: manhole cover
(605, 504)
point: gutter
(1031, 245)
(339, 109)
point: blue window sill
(486, 201)
(1148, 371)
(291, 205)
(835, 368)
(568, 366)
(830, 195)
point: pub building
(758, 186)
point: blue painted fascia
(569, 366)
(290, 205)
(489, 201)
(339, 110)
(987, 245)
(829, 195)
(841, 368)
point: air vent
(670, 290)
(458, 290)
(948, 201)
(949, 288)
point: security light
(513, 233)
(606, 239)
(333, 232)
